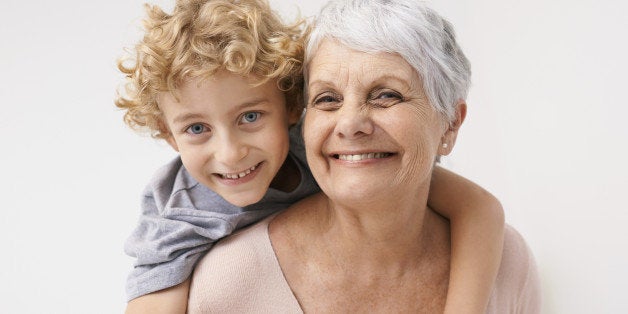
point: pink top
(241, 274)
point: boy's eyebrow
(186, 116)
(250, 103)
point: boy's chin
(243, 201)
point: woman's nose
(229, 149)
(354, 121)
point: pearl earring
(445, 145)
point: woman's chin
(358, 196)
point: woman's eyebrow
(376, 81)
(319, 82)
(391, 77)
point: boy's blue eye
(195, 129)
(250, 117)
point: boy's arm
(477, 230)
(171, 300)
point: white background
(545, 132)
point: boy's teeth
(359, 157)
(239, 175)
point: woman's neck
(372, 233)
(324, 249)
(381, 235)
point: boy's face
(232, 137)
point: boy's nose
(229, 150)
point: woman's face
(369, 129)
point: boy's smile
(240, 174)
(232, 135)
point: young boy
(221, 82)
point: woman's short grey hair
(408, 28)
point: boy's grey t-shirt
(181, 219)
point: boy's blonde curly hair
(201, 37)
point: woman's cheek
(314, 125)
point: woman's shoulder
(243, 245)
(231, 259)
(517, 287)
(239, 274)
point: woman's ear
(449, 138)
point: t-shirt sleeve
(168, 241)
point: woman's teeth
(238, 175)
(359, 157)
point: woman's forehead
(335, 61)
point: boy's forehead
(222, 73)
(222, 88)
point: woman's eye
(385, 98)
(389, 95)
(324, 99)
(196, 129)
(327, 101)
(250, 117)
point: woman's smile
(361, 157)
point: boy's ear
(449, 138)
(172, 142)
(168, 135)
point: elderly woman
(386, 89)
